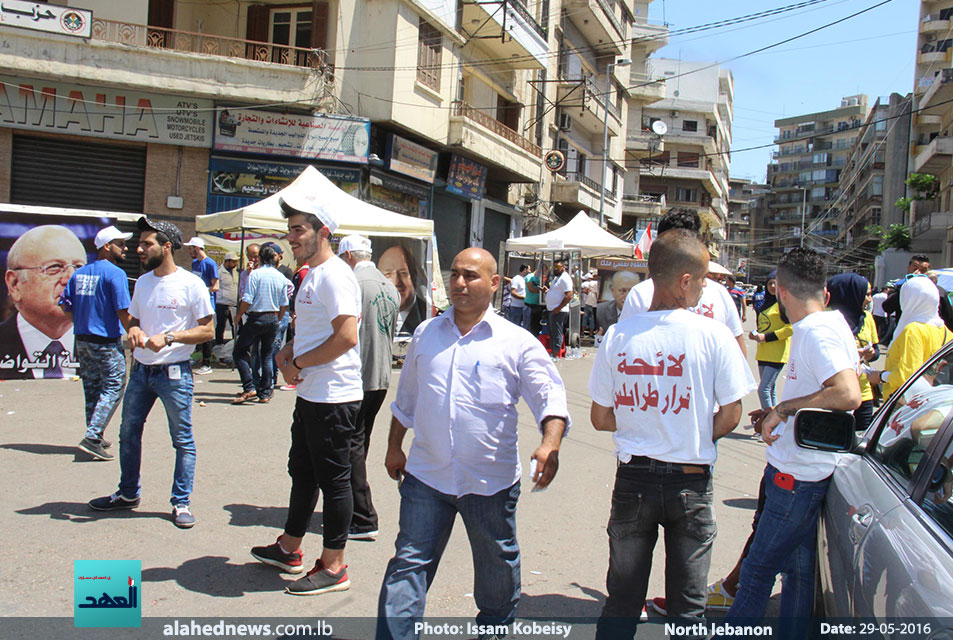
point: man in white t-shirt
(715, 301)
(171, 312)
(656, 381)
(558, 295)
(519, 312)
(822, 374)
(324, 361)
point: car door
(885, 545)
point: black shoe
(182, 516)
(106, 443)
(369, 536)
(115, 502)
(273, 555)
(95, 449)
(319, 580)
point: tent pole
(241, 254)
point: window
(685, 195)
(818, 174)
(689, 125)
(508, 113)
(429, 46)
(817, 192)
(877, 186)
(291, 27)
(906, 431)
(686, 159)
(581, 164)
(820, 158)
(946, 14)
(563, 145)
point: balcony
(642, 205)
(651, 37)
(688, 139)
(598, 24)
(584, 103)
(646, 89)
(934, 157)
(576, 190)
(168, 61)
(929, 231)
(705, 176)
(505, 29)
(934, 57)
(940, 91)
(641, 144)
(932, 24)
(494, 142)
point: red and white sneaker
(273, 555)
(658, 605)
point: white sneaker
(203, 371)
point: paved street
(239, 501)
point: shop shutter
(451, 225)
(59, 172)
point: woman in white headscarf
(919, 334)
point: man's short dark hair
(524, 267)
(680, 219)
(919, 257)
(675, 253)
(730, 280)
(267, 254)
(803, 273)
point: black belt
(651, 464)
(96, 339)
(261, 313)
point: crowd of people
(667, 382)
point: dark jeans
(881, 323)
(223, 315)
(103, 369)
(863, 415)
(588, 317)
(426, 521)
(319, 461)
(258, 330)
(557, 331)
(536, 318)
(365, 516)
(785, 542)
(649, 493)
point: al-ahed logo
(106, 593)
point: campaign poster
(38, 254)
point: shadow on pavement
(216, 576)
(80, 512)
(741, 503)
(47, 449)
(569, 608)
(249, 515)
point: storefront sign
(39, 16)
(614, 264)
(395, 194)
(466, 178)
(320, 136)
(42, 105)
(411, 159)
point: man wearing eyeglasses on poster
(37, 341)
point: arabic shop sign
(466, 178)
(258, 179)
(622, 265)
(411, 159)
(46, 17)
(320, 136)
(42, 105)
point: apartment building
(805, 177)
(758, 265)
(872, 181)
(931, 148)
(734, 254)
(683, 161)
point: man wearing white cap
(380, 306)
(324, 361)
(97, 296)
(226, 302)
(205, 268)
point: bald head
(621, 283)
(481, 256)
(40, 243)
(473, 280)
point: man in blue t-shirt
(205, 268)
(97, 296)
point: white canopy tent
(582, 234)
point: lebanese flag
(644, 244)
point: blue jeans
(103, 369)
(515, 314)
(258, 330)
(280, 338)
(426, 520)
(768, 373)
(649, 493)
(785, 542)
(146, 383)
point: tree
(897, 236)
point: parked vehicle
(885, 538)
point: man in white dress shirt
(465, 371)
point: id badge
(175, 372)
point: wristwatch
(169, 339)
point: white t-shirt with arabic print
(715, 303)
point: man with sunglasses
(37, 341)
(97, 298)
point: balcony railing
(500, 129)
(607, 9)
(528, 17)
(575, 176)
(185, 41)
(645, 197)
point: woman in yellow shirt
(850, 294)
(919, 334)
(773, 344)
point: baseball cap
(354, 242)
(196, 242)
(298, 202)
(170, 230)
(275, 246)
(231, 255)
(107, 235)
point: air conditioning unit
(565, 122)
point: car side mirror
(824, 430)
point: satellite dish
(659, 127)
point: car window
(914, 419)
(938, 500)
